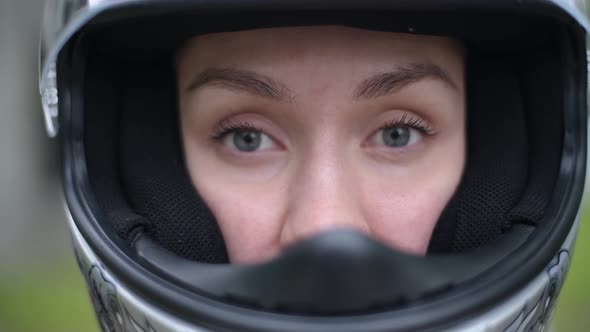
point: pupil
(247, 140)
(396, 136)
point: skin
(319, 98)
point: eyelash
(228, 126)
(410, 122)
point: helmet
(153, 256)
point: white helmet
(153, 256)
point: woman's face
(289, 132)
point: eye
(247, 140)
(397, 136)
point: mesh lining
(545, 133)
(135, 133)
(497, 155)
(135, 165)
(154, 173)
(508, 177)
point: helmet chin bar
(335, 272)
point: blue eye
(247, 140)
(397, 136)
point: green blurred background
(41, 289)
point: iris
(396, 136)
(247, 140)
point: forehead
(301, 45)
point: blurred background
(41, 289)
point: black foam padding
(102, 93)
(141, 37)
(541, 77)
(496, 167)
(154, 175)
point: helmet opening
(514, 132)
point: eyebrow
(378, 85)
(387, 83)
(244, 80)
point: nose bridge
(323, 195)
